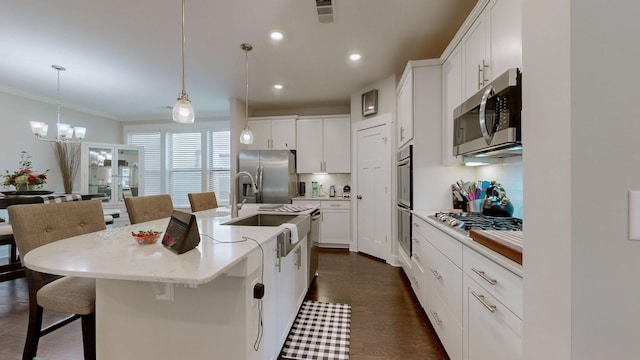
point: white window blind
(152, 160)
(177, 162)
(219, 165)
(184, 166)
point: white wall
(386, 99)
(546, 131)
(581, 132)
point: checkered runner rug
(320, 332)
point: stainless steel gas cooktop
(466, 222)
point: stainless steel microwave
(488, 124)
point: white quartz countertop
(114, 253)
(488, 253)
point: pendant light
(65, 131)
(182, 110)
(246, 137)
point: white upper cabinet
(452, 97)
(275, 133)
(505, 24)
(405, 107)
(475, 54)
(324, 145)
(492, 44)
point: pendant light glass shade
(246, 137)
(183, 110)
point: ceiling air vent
(325, 11)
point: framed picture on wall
(370, 103)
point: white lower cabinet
(492, 330)
(442, 284)
(335, 221)
(285, 280)
(335, 226)
(474, 304)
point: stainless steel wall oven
(405, 197)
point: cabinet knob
(359, 197)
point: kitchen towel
(320, 332)
(294, 232)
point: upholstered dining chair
(202, 201)
(147, 208)
(35, 225)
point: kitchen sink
(285, 242)
(262, 220)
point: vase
(22, 187)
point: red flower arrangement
(25, 176)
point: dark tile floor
(386, 321)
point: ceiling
(123, 57)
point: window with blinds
(179, 162)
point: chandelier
(65, 131)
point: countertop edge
(337, 198)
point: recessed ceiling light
(278, 86)
(276, 35)
(355, 57)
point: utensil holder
(475, 206)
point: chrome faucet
(234, 192)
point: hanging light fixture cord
(184, 92)
(58, 68)
(246, 48)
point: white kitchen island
(154, 304)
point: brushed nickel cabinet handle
(484, 73)
(483, 301)
(436, 274)
(437, 318)
(484, 276)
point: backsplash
(326, 180)
(509, 175)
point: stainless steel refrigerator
(274, 172)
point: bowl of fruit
(146, 237)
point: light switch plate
(634, 215)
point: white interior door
(373, 197)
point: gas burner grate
(477, 221)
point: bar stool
(13, 269)
(147, 208)
(202, 201)
(35, 225)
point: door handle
(359, 197)
(483, 117)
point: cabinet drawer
(417, 282)
(448, 329)
(335, 204)
(501, 283)
(306, 202)
(450, 247)
(492, 331)
(444, 278)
